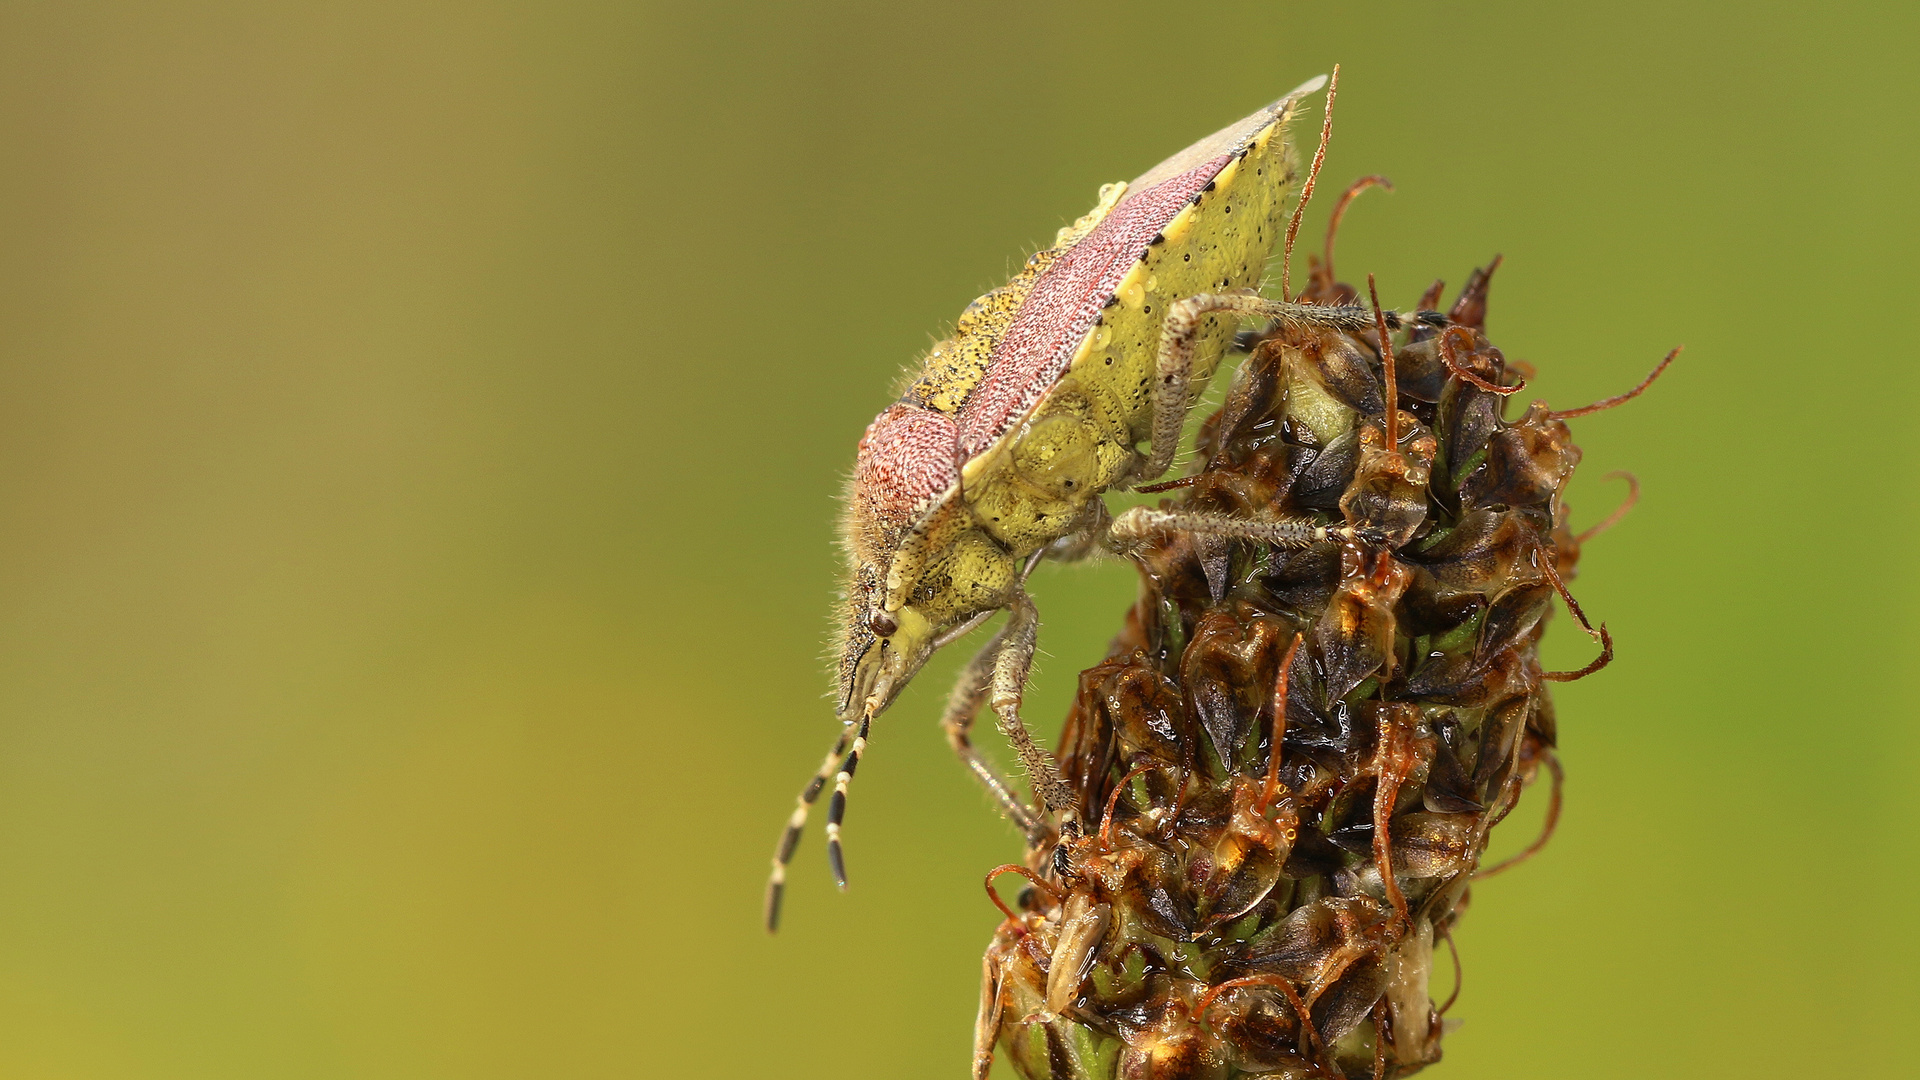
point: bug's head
(879, 653)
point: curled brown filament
(1306, 191)
(1016, 868)
(1546, 829)
(1605, 658)
(1459, 975)
(1386, 362)
(1340, 211)
(1618, 399)
(1452, 360)
(1608, 522)
(1279, 981)
(1279, 724)
(1113, 800)
(1605, 639)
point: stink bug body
(999, 451)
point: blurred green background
(420, 426)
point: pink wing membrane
(912, 454)
(1064, 304)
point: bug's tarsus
(1618, 399)
(1306, 190)
(1619, 512)
(963, 705)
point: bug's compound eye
(882, 624)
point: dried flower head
(1293, 757)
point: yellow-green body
(960, 553)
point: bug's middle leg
(1010, 669)
(1087, 538)
(1173, 370)
(976, 681)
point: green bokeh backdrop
(419, 431)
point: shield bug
(1072, 379)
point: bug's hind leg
(1010, 668)
(797, 824)
(1179, 334)
(957, 721)
(1143, 521)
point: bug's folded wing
(1227, 139)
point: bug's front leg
(963, 704)
(1010, 671)
(1173, 370)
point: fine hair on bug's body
(1001, 447)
